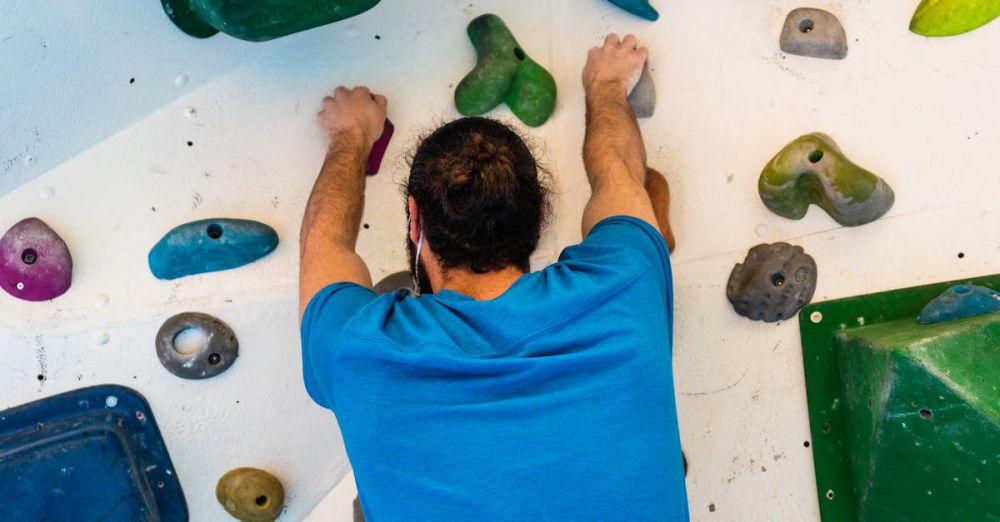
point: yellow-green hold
(251, 495)
(952, 17)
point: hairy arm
(352, 121)
(613, 152)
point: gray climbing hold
(214, 356)
(959, 302)
(400, 281)
(773, 283)
(815, 33)
(643, 96)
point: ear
(411, 204)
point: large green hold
(952, 17)
(813, 170)
(504, 73)
(259, 20)
(905, 417)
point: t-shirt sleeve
(326, 315)
(637, 238)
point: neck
(481, 287)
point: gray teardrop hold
(643, 96)
(815, 33)
(773, 283)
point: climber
(499, 394)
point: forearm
(336, 204)
(613, 144)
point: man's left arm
(352, 121)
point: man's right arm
(613, 152)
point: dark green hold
(259, 20)
(210, 245)
(504, 73)
(905, 417)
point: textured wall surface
(111, 171)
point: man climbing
(504, 394)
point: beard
(423, 283)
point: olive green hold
(251, 495)
(504, 73)
(952, 17)
(813, 170)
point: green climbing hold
(952, 17)
(504, 73)
(813, 170)
(259, 20)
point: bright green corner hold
(813, 170)
(504, 73)
(952, 17)
(259, 20)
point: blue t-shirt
(551, 402)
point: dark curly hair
(483, 199)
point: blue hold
(210, 245)
(639, 8)
(959, 302)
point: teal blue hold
(211, 245)
(639, 8)
(959, 302)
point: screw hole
(806, 26)
(214, 359)
(139, 415)
(806, 444)
(29, 256)
(261, 500)
(815, 156)
(519, 54)
(925, 413)
(131, 81)
(961, 289)
(366, 227)
(190, 143)
(214, 231)
(778, 279)
(961, 255)
(829, 494)
(826, 428)
(40, 377)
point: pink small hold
(35, 264)
(378, 150)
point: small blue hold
(638, 8)
(210, 245)
(959, 302)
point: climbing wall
(116, 127)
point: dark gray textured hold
(215, 356)
(643, 96)
(815, 33)
(394, 282)
(773, 283)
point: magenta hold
(35, 264)
(378, 150)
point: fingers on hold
(341, 91)
(380, 100)
(613, 39)
(630, 42)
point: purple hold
(378, 150)
(35, 264)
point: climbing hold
(952, 17)
(210, 245)
(815, 33)
(812, 169)
(378, 149)
(959, 302)
(504, 73)
(643, 96)
(251, 495)
(213, 350)
(639, 8)
(773, 283)
(35, 264)
(400, 281)
(258, 21)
